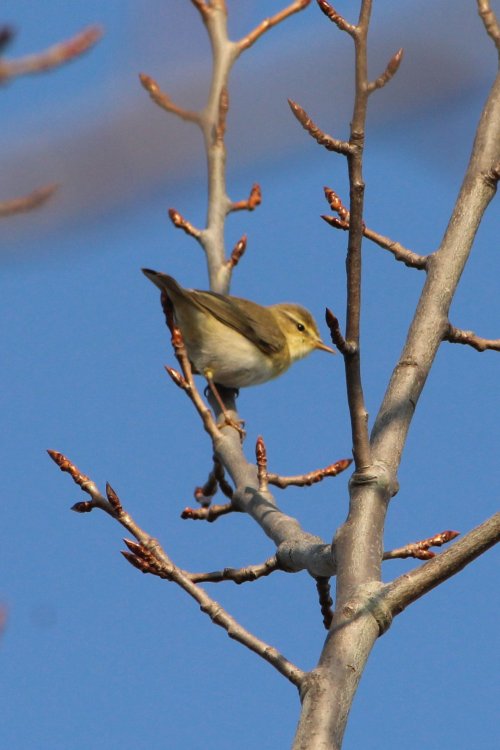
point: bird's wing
(255, 322)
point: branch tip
(336, 18)
(331, 144)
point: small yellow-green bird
(235, 342)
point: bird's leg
(236, 424)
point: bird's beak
(324, 347)
(153, 276)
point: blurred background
(94, 654)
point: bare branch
(490, 21)
(325, 600)
(401, 253)
(270, 22)
(331, 144)
(335, 332)
(306, 480)
(411, 586)
(336, 18)
(458, 336)
(149, 556)
(209, 513)
(239, 575)
(164, 101)
(251, 203)
(181, 223)
(53, 57)
(27, 202)
(421, 550)
(389, 72)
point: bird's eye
(301, 327)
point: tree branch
(57, 55)
(148, 556)
(490, 21)
(239, 575)
(390, 71)
(165, 102)
(27, 202)
(458, 336)
(401, 253)
(331, 144)
(269, 23)
(411, 586)
(421, 550)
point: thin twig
(58, 54)
(490, 21)
(269, 23)
(389, 72)
(306, 480)
(336, 18)
(181, 223)
(459, 336)
(413, 585)
(203, 8)
(165, 102)
(335, 332)
(421, 550)
(331, 144)
(401, 253)
(209, 513)
(239, 575)
(149, 556)
(251, 203)
(27, 202)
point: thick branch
(445, 267)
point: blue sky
(94, 654)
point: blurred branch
(490, 21)
(270, 22)
(57, 55)
(27, 202)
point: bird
(235, 342)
